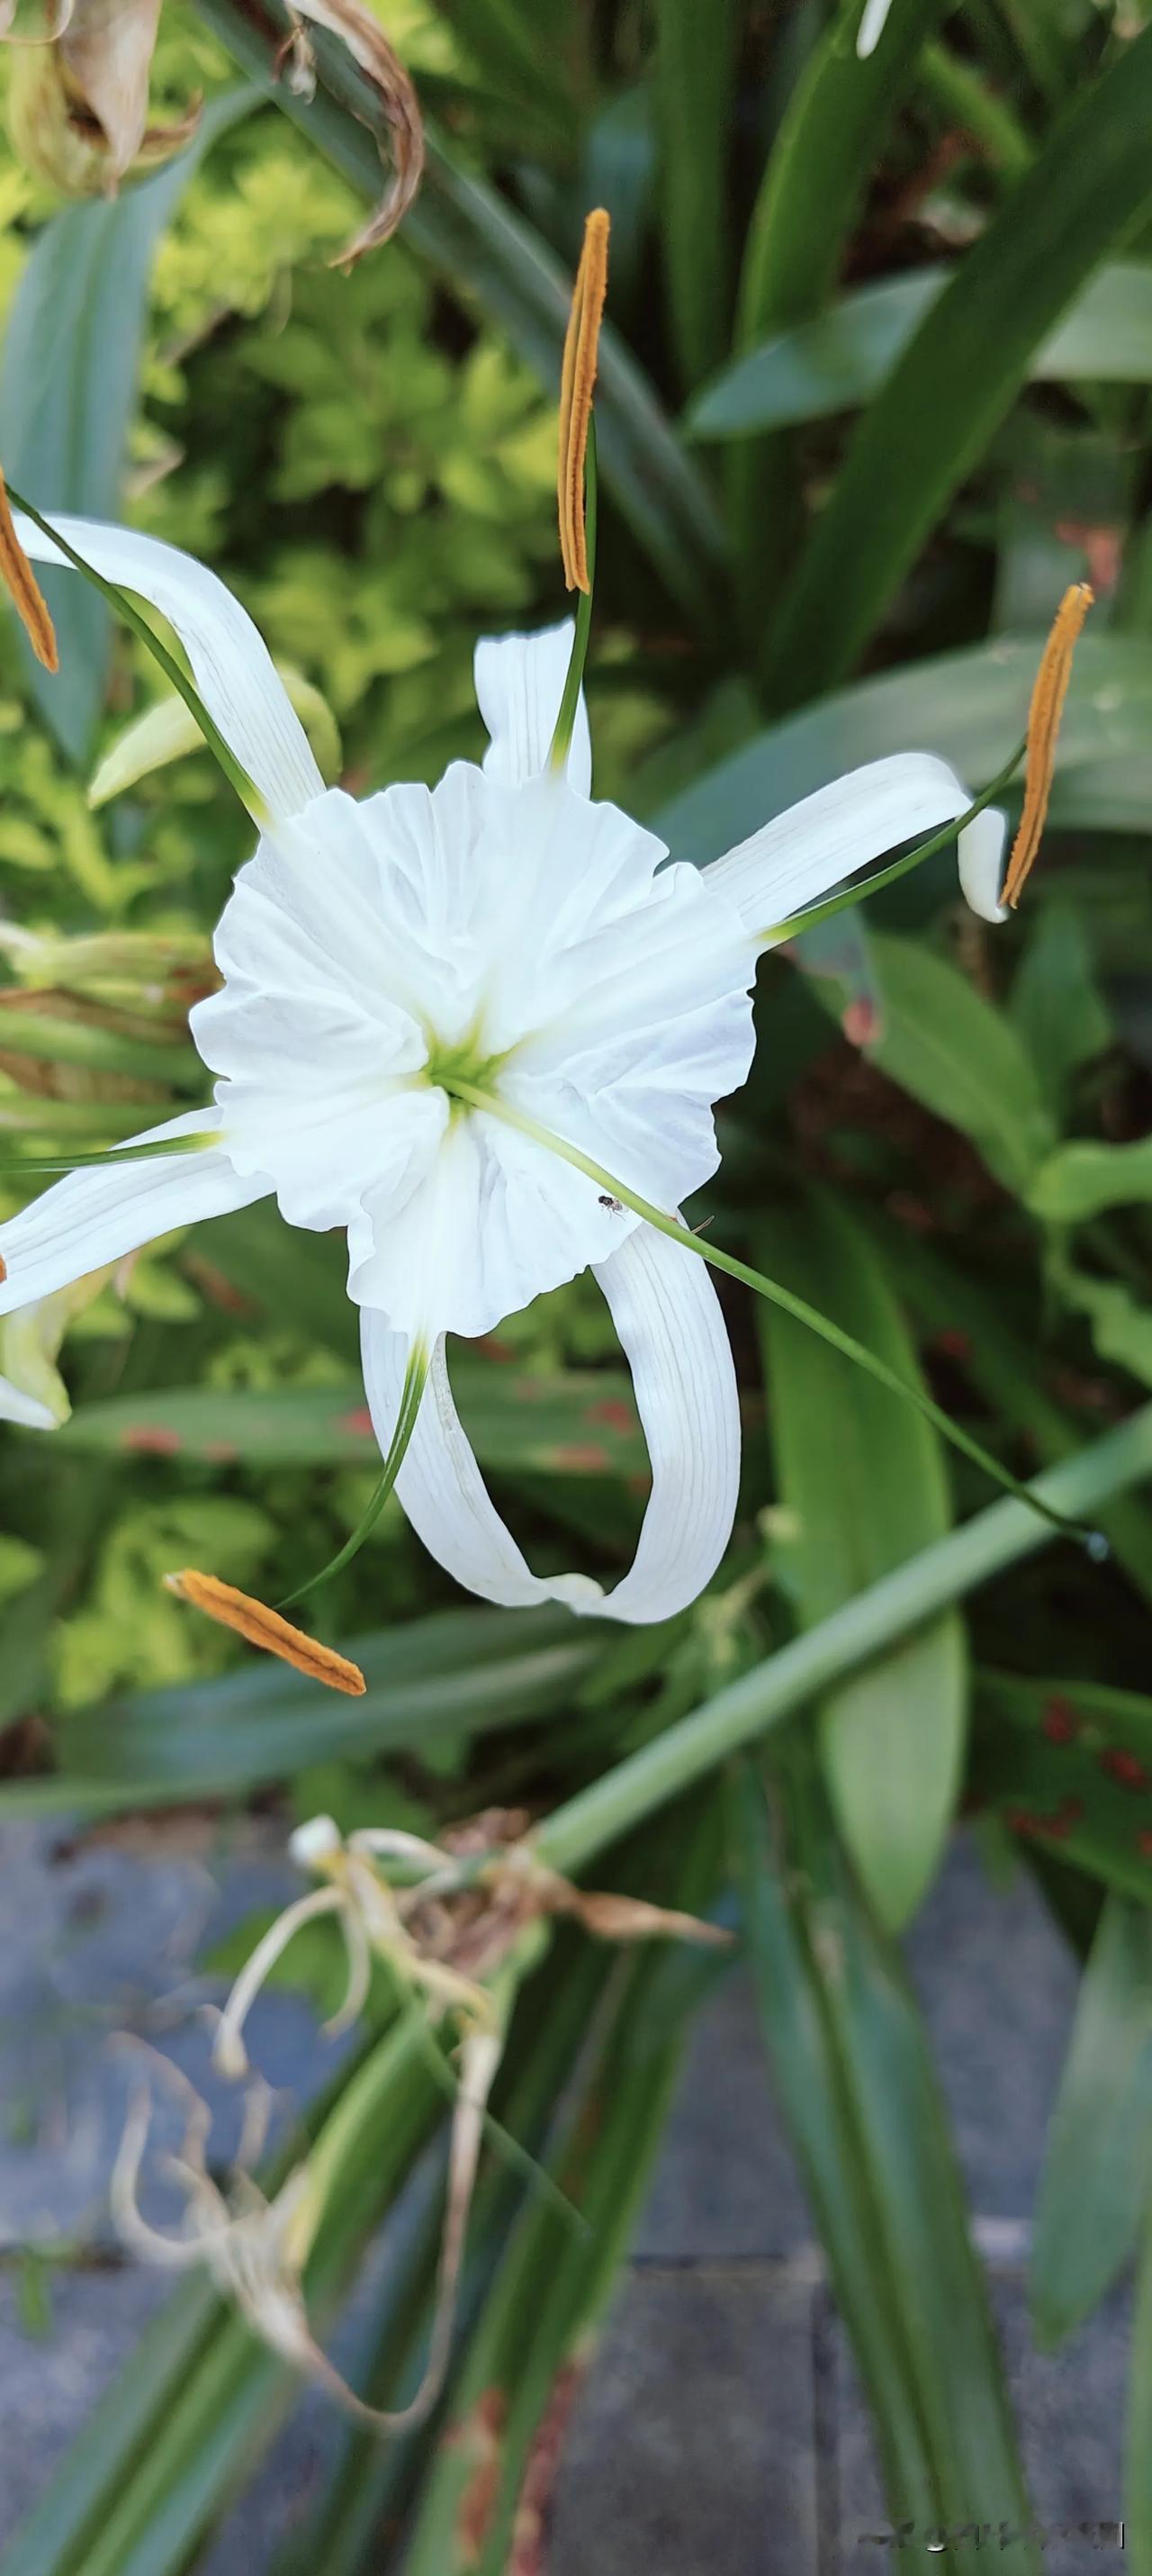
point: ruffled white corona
(504, 929)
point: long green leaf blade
(1098, 2162)
(841, 359)
(962, 372)
(859, 2094)
(863, 1485)
(696, 56)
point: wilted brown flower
(78, 99)
(395, 100)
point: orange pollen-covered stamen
(577, 384)
(265, 1628)
(18, 577)
(1044, 713)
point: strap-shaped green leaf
(1097, 2175)
(863, 1486)
(946, 397)
(859, 2094)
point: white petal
(519, 685)
(670, 1324)
(230, 662)
(96, 1216)
(981, 857)
(793, 861)
(15, 1406)
(871, 27)
(441, 1488)
(668, 1316)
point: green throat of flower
(463, 1068)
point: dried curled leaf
(78, 107)
(630, 1918)
(396, 100)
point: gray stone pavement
(721, 2431)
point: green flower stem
(565, 722)
(411, 1395)
(864, 1628)
(161, 1148)
(853, 894)
(771, 1289)
(246, 790)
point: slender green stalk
(808, 1666)
(771, 1289)
(248, 793)
(415, 1381)
(156, 1150)
(566, 719)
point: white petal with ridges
(668, 1317)
(519, 685)
(669, 1320)
(593, 990)
(231, 665)
(804, 854)
(97, 1216)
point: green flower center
(466, 1060)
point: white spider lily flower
(504, 930)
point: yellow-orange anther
(264, 1627)
(577, 383)
(18, 577)
(1044, 713)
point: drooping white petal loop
(668, 1317)
(230, 661)
(805, 853)
(94, 1217)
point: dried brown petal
(107, 52)
(78, 108)
(629, 1918)
(396, 101)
